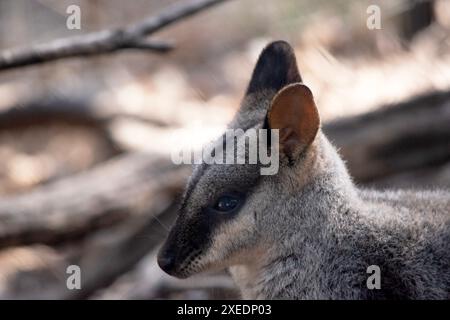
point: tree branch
(107, 41)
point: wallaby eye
(227, 203)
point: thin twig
(106, 41)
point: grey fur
(309, 232)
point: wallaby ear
(276, 68)
(294, 112)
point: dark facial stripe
(202, 168)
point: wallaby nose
(166, 261)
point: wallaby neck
(291, 264)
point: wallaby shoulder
(415, 201)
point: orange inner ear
(295, 114)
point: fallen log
(74, 206)
(102, 256)
(408, 136)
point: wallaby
(306, 232)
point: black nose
(166, 261)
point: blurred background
(85, 174)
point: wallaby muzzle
(180, 255)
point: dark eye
(227, 203)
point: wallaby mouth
(179, 263)
(182, 254)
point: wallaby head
(230, 212)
